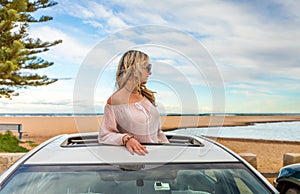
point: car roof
(84, 149)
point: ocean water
(283, 131)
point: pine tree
(19, 52)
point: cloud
(255, 44)
(71, 49)
(97, 14)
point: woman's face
(146, 72)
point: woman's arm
(109, 133)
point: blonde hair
(131, 63)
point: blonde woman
(130, 115)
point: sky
(208, 56)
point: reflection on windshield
(177, 179)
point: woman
(130, 115)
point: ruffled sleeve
(109, 133)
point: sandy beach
(49, 126)
(269, 153)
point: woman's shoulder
(114, 99)
(119, 98)
(109, 101)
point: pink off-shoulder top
(140, 119)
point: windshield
(129, 179)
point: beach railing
(12, 127)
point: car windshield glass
(128, 179)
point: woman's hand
(133, 145)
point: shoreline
(45, 126)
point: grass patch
(9, 143)
(32, 144)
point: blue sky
(253, 47)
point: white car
(70, 164)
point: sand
(269, 153)
(45, 127)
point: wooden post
(291, 158)
(250, 158)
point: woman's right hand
(134, 145)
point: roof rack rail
(92, 140)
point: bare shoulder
(122, 97)
(116, 98)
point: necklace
(131, 91)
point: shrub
(9, 143)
